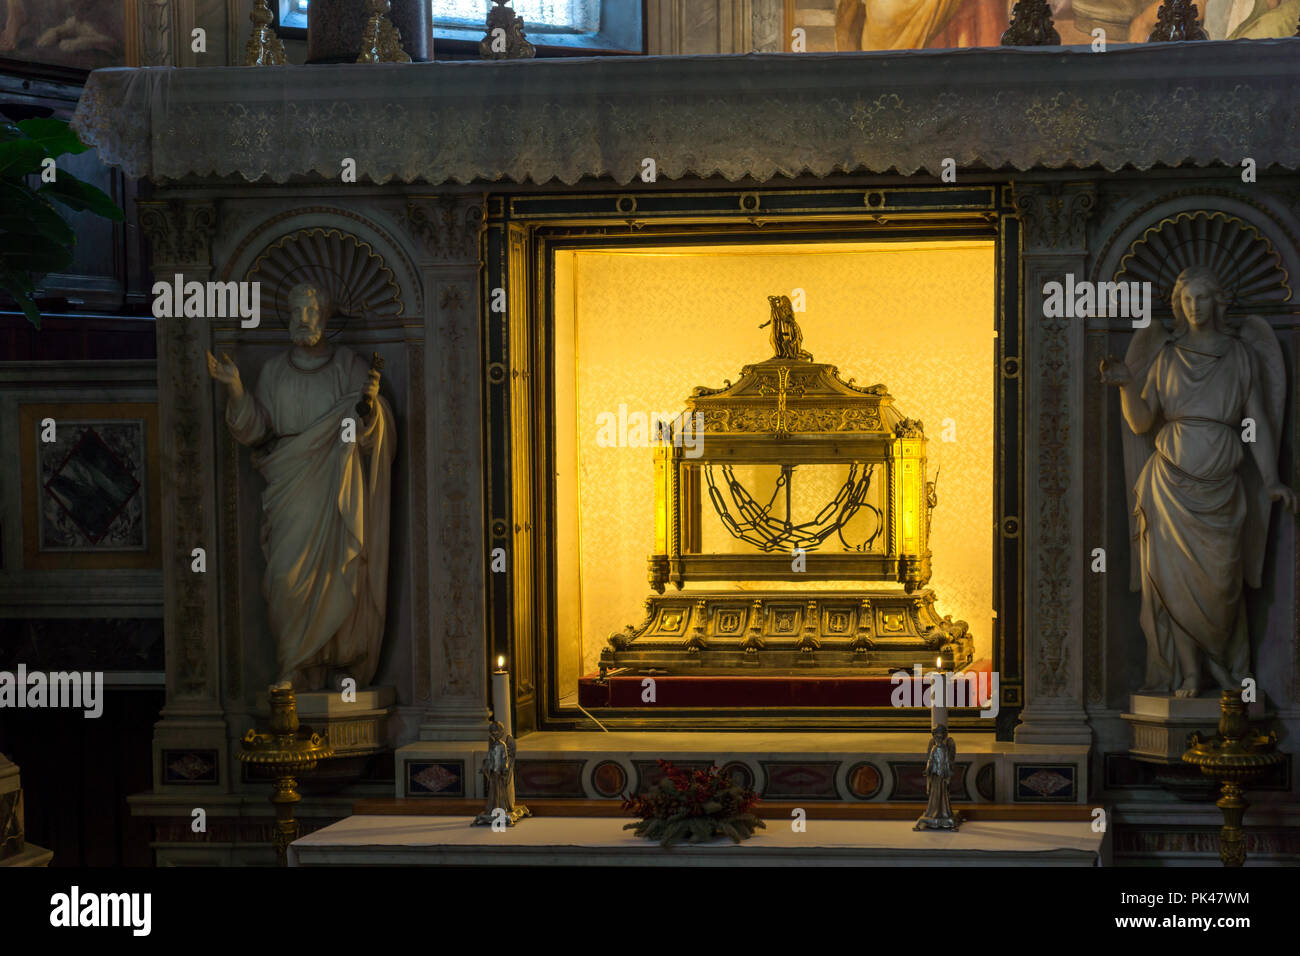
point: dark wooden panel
(76, 337)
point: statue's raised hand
(225, 371)
(1114, 371)
(1280, 492)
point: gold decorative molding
(381, 42)
(505, 38)
(264, 47)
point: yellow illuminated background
(643, 328)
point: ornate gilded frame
(523, 231)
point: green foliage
(34, 238)
(693, 806)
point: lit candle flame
(938, 662)
(501, 662)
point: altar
(547, 249)
(576, 841)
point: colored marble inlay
(801, 781)
(740, 773)
(864, 781)
(549, 778)
(93, 497)
(1045, 784)
(189, 766)
(609, 779)
(444, 778)
(909, 781)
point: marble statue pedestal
(356, 729)
(1161, 722)
(353, 728)
(11, 810)
(14, 849)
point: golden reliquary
(791, 475)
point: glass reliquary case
(793, 527)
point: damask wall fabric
(651, 326)
(535, 121)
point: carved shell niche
(354, 278)
(1245, 261)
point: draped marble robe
(1191, 509)
(324, 514)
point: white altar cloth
(601, 841)
(759, 115)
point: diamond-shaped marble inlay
(191, 767)
(435, 778)
(92, 486)
(1046, 782)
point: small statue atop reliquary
(786, 336)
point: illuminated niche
(637, 331)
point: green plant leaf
(36, 254)
(16, 283)
(19, 285)
(22, 211)
(18, 157)
(28, 305)
(54, 136)
(75, 194)
(673, 833)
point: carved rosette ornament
(264, 47)
(1031, 25)
(380, 41)
(505, 39)
(1177, 20)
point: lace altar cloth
(756, 115)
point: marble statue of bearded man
(1203, 408)
(326, 504)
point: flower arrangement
(694, 805)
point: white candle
(938, 706)
(501, 694)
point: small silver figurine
(499, 780)
(940, 758)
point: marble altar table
(594, 841)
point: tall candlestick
(939, 703)
(501, 695)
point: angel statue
(1196, 401)
(499, 780)
(786, 336)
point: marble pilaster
(449, 651)
(180, 233)
(1055, 218)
